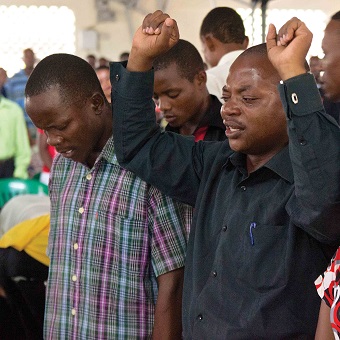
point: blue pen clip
(251, 227)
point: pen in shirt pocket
(251, 227)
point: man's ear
(97, 103)
(201, 78)
(245, 42)
(210, 42)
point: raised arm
(314, 137)
(155, 36)
(288, 48)
(164, 160)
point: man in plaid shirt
(117, 245)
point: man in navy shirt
(266, 201)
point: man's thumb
(271, 37)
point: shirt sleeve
(22, 156)
(314, 147)
(169, 226)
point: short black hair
(187, 58)
(336, 16)
(225, 24)
(74, 76)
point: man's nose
(230, 107)
(53, 140)
(164, 104)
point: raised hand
(288, 48)
(155, 36)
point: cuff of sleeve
(131, 84)
(300, 95)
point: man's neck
(28, 70)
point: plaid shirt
(111, 236)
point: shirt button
(200, 317)
(75, 246)
(88, 176)
(214, 274)
(73, 312)
(81, 210)
(224, 228)
(117, 77)
(74, 278)
(295, 98)
(243, 188)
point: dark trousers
(23, 280)
(7, 168)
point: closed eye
(249, 99)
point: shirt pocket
(125, 240)
(263, 257)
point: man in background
(181, 92)
(92, 60)
(15, 151)
(332, 108)
(328, 283)
(103, 74)
(15, 89)
(223, 39)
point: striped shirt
(111, 235)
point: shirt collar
(280, 163)
(108, 153)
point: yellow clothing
(31, 236)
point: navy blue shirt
(258, 241)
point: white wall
(114, 37)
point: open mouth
(67, 154)
(232, 129)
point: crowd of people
(189, 197)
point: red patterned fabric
(51, 151)
(328, 288)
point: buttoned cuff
(134, 85)
(300, 95)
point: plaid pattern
(111, 236)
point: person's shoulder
(17, 79)
(224, 63)
(10, 104)
(20, 74)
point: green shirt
(14, 140)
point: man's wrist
(138, 62)
(291, 73)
